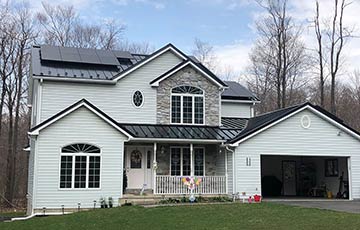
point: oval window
(138, 98)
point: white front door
(138, 167)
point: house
(100, 116)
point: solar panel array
(82, 55)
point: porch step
(138, 191)
(140, 200)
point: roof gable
(197, 66)
(263, 122)
(80, 104)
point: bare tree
(336, 35)
(62, 26)
(278, 59)
(204, 52)
(320, 54)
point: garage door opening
(310, 177)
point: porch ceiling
(180, 132)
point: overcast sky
(228, 25)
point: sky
(228, 25)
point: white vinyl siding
(231, 109)
(80, 126)
(31, 176)
(290, 138)
(115, 100)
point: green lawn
(226, 216)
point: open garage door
(305, 176)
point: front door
(138, 169)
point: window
(187, 105)
(199, 161)
(148, 160)
(135, 159)
(175, 161)
(138, 98)
(80, 166)
(180, 161)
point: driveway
(335, 205)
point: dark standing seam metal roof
(53, 67)
(238, 92)
(180, 131)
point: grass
(226, 216)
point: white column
(191, 159)
(226, 172)
(154, 168)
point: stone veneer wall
(188, 76)
(211, 159)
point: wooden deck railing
(174, 185)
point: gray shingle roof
(237, 92)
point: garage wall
(290, 138)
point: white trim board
(156, 83)
(330, 120)
(82, 104)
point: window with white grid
(187, 105)
(80, 166)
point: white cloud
(236, 55)
(233, 56)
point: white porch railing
(173, 185)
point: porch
(159, 168)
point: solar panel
(70, 54)
(88, 56)
(122, 54)
(107, 57)
(50, 53)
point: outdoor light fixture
(79, 206)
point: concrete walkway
(334, 205)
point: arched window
(187, 105)
(80, 166)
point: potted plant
(102, 202)
(111, 202)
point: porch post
(226, 173)
(154, 169)
(191, 159)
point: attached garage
(305, 176)
(303, 149)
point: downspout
(233, 167)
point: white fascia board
(176, 140)
(36, 131)
(155, 84)
(148, 60)
(332, 121)
(92, 81)
(239, 101)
